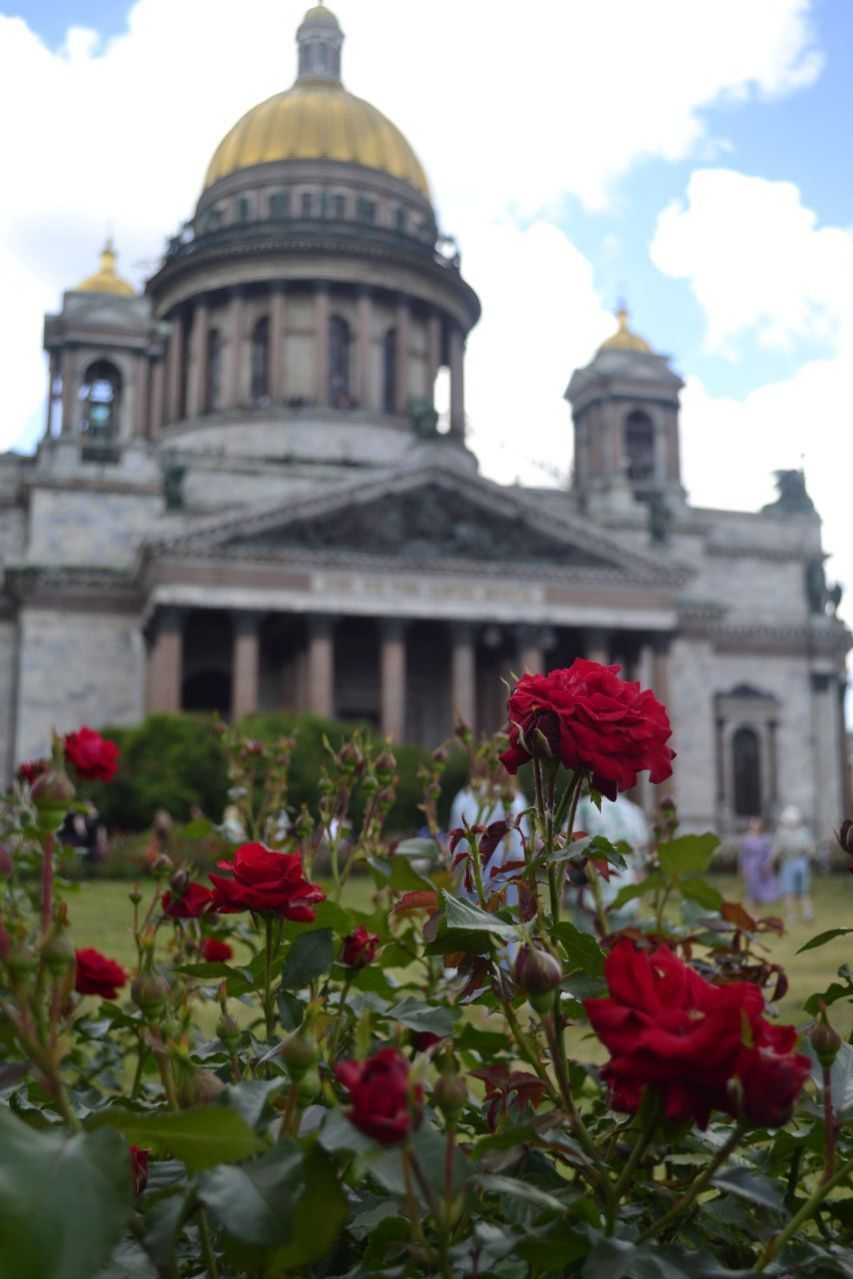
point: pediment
(423, 517)
(101, 311)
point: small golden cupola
(107, 279)
(624, 339)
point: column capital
(246, 621)
(393, 628)
(169, 617)
(543, 637)
(321, 625)
(463, 632)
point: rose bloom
(385, 1105)
(93, 756)
(359, 948)
(215, 951)
(669, 1029)
(194, 901)
(139, 1168)
(32, 769)
(97, 975)
(268, 882)
(588, 718)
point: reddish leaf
(419, 899)
(492, 836)
(735, 914)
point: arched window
(100, 394)
(389, 371)
(339, 362)
(639, 447)
(746, 764)
(213, 390)
(261, 360)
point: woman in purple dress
(755, 863)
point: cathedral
(245, 499)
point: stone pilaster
(597, 645)
(52, 375)
(433, 352)
(245, 664)
(402, 355)
(69, 390)
(320, 673)
(234, 354)
(530, 641)
(278, 325)
(155, 418)
(457, 383)
(166, 660)
(175, 370)
(392, 679)
(321, 343)
(142, 375)
(463, 674)
(198, 389)
(362, 348)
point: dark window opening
(366, 210)
(339, 206)
(639, 448)
(400, 217)
(389, 371)
(280, 204)
(213, 390)
(746, 762)
(207, 691)
(307, 204)
(242, 209)
(260, 360)
(101, 397)
(339, 362)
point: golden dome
(319, 13)
(624, 339)
(107, 280)
(317, 120)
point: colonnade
(310, 678)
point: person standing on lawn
(794, 848)
(755, 863)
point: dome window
(366, 209)
(340, 342)
(280, 205)
(242, 209)
(339, 207)
(261, 361)
(400, 217)
(213, 390)
(101, 396)
(307, 204)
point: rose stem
(554, 1035)
(341, 1006)
(47, 883)
(268, 976)
(644, 1136)
(695, 1188)
(529, 1053)
(813, 1202)
(206, 1246)
(828, 1124)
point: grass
(101, 916)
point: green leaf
(699, 890)
(746, 1185)
(840, 1078)
(687, 854)
(51, 1185)
(823, 938)
(462, 916)
(310, 957)
(250, 1097)
(582, 950)
(651, 884)
(319, 1217)
(201, 1137)
(485, 1042)
(831, 995)
(327, 915)
(238, 980)
(523, 1190)
(255, 1202)
(418, 1016)
(417, 847)
(404, 876)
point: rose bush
(471, 1074)
(91, 755)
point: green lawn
(101, 916)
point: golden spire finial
(107, 279)
(624, 339)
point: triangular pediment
(102, 311)
(422, 516)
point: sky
(692, 158)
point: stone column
(660, 687)
(392, 679)
(844, 762)
(401, 373)
(166, 660)
(321, 343)
(198, 389)
(140, 426)
(175, 370)
(278, 320)
(531, 650)
(364, 313)
(69, 390)
(463, 674)
(155, 421)
(320, 673)
(234, 354)
(52, 375)
(457, 383)
(597, 645)
(433, 352)
(245, 664)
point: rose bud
(351, 759)
(538, 973)
(179, 881)
(21, 962)
(309, 1085)
(228, 1030)
(53, 790)
(384, 766)
(359, 948)
(162, 865)
(450, 1095)
(135, 896)
(139, 1168)
(299, 1054)
(845, 837)
(386, 1103)
(825, 1040)
(199, 1088)
(440, 755)
(150, 991)
(57, 954)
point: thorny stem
(435, 1212)
(41, 1057)
(206, 1246)
(529, 1053)
(554, 1036)
(695, 1188)
(47, 882)
(268, 1018)
(336, 1033)
(814, 1201)
(644, 1137)
(828, 1125)
(287, 1116)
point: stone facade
(244, 499)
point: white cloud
(757, 262)
(509, 107)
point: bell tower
(625, 405)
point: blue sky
(694, 156)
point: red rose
(423, 1040)
(92, 756)
(359, 948)
(139, 1167)
(97, 975)
(32, 769)
(385, 1105)
(589, 719)
(668, 1028)
(195, 900)
(771, 1084)
(272, 883)
(215, 951)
